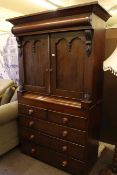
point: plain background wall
(109, 120)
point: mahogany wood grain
(67, 49)
(33, 53)
(77, 122)
(67, 106)
(32, 111)
(59, 145)
(60, 64)
(70, 134)
(73, 166)
(69, 11)
(49, 25)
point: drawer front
(68, 120)
(53, 129)
(61, 161)
(33, 111)
(62, 146)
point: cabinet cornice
(92, 7)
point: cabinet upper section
(82, 16)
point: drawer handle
(31, 123)
(65, 120)
(33, 150)
(64, 163)
(30, 112)
(64, 133)
(32, 137)
(64, 148)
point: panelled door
(36, 63)
(67, 64)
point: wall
(109, 121)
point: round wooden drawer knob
(64, 133)
(30, 112)
(65, 120)
(64, 148)
(64, 163)
(31, 123)
(33, 150)
(32, 137)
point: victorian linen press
(60, 64)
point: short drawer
(68, 120)
(63, 132)
(59, 145)
(33, 111)
(49, 156)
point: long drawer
(63, 132)
(72, 121)
(49, 156)
(59, 145)
(32, 111)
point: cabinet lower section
(66, 137)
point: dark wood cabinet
(60, 64)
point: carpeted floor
(16, 163)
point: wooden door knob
(30, 112)
(64, 163)
(33, 150)
(47, 70)
(64, 133)
(32, 136)
(31, 123)
(64, 148)
(65, 120)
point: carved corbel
(19, 43)
(88, 41)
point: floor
(16, 163)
